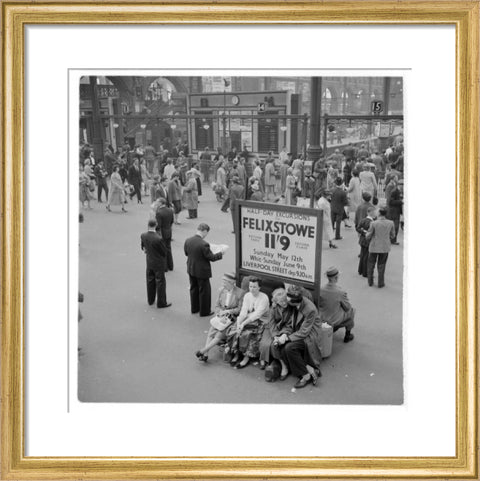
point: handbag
(221, 323)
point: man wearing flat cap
(334, 306)
(297, 349)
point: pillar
(97, 122)
(315, 150)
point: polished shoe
(332, 246)
(201, 357)
(211, 313)
(380, 286)
(283, 376)
(108, 208)
(370, 283)
(338, 238)
(263, 365)
(395, 243)
(123, 210)
(239, 365)
(348, 337)
(166, 305)
(315, 375)
(303, 382)
(234, 361)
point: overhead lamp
(115, 125)
(283, 128)
(143, 126)
(173, 126)
(206, 126)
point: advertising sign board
(279, 242)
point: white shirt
(255, 307)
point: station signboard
(279, 242)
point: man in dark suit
(135, 178)
(199, 270)
(156, 252)
(337, 206)
(362, 209)
(164, 218)
(380, 234)
(362, 230)
(162, 191)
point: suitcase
(326, 340)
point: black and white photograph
(241, 238)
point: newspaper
(216, 248)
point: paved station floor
(132, 352)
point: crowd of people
(277, 325)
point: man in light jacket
(381, 235)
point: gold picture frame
(464, 15)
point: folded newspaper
(216, 248)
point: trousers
(294, 355)
(168, 245)
(156, 287)
(200, 295)
(336, 223)
(380, 259)
(363, 261)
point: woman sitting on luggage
(276, 326)
(226, 311)
(244, 336)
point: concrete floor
(132, 352)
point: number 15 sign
(279, 242)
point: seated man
(334, 306)
(297, 350)
(228, 304)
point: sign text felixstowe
(279, 242)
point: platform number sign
(377, 106)
(261, 107)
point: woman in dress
(291, 184)
(227, 308)
(190, 195)
(145, 177)
(324, 204)
(354, 193)
(84, 188)
(174, 191)
(243, 338)
(368, 183)
(116, 194)
(258, 173)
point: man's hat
(236, 179)
(331, 271)
(230, 276)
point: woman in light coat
(368, 183)
(324, 204)
(291, 184)
(116, 194)
(354, 193)
(190, 195)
